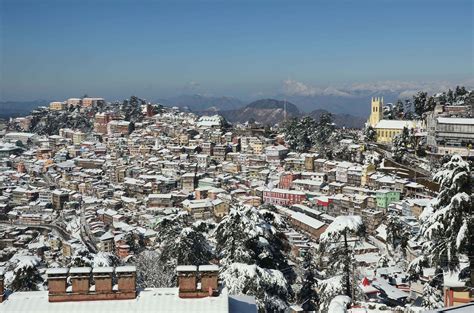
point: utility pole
(284, 106)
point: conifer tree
(448, 225)
(307, 295)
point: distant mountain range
(272, 111)
(265, 111)
(202, 103)
(19, 108)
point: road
(86, 235)
(61, 232)
(415, 173)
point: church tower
(376, 113)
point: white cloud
(403, 88)
(296, 88)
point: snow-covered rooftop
(456, 120)
(150, 300)
(396, 124)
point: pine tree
(26, 278)
(401, 143)
(253, 254)
(432, 297)
(151, 272)
(397, 233)
(398, 110)
(448, 225)
(370, 133)
(419, 103)
(189, 248)
(388, 113)
(307, 295)
(334, 241)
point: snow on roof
(307, 220)
(186, 268)
(242, 304)
(159, 196)
(391, 291)
(150, 300)
(208, 268)
(102, 270)
(451, 279)
(57, 271)
(396, 124)
(125, 269)
(382, 231)
(80, 270)
(456, 120)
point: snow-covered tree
(190, 247)
(81, 257)
(398, 110)
(370, 133)
(26, 276)
(253, 252)
(103, 259)
(298, 133)
(401, 143)
(383, 261)
(448, 224)
(270, 287)
(306, 133)
(432, 297)
(151, 272)
(419, 101)
(334, 241)
(397, 233)
(307, 295)
(328, 289)
(388, 112)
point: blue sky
(55, 49)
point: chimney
(103, 279)
(209, 274)
(187, 280)
(126, 276)
(2, 286)
(80, 278)
(57, 280)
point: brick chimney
(103, 279)
(2, 286)
(209, 275)
(126, 277)
(80, 278)
(187, 281)
(57, 280)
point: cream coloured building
(57, 106)
(386, 130)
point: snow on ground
(339, 304)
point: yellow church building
(386, 130)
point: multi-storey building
(449, 135)
(283, 196)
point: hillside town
(136, 206)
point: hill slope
(265, 111)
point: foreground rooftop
(150, 300)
